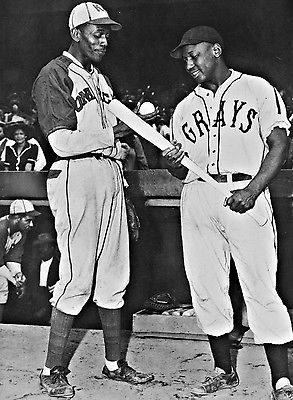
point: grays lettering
(236, 111)
(199, 120)
(189, 134)
(250, 116)
(220, 115)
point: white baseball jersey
(85, 192)
(226, 133)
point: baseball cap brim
(115, 26)
(33, 213)
(195, 36)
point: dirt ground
(177, 365)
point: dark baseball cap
(197, 35)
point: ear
(217, 50)
(75, 34)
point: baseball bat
(150, 134)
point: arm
(52, 93)
(41, 159)
(244, 199)
(6, 273)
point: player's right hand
(174, 155)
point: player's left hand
(125, 149)
(241, 200)
(19, 279)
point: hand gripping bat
(150, 134)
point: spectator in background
(149, 112)
(163, 126)
(42, 272)
(14, 114)
(25, 154)
(13, 231)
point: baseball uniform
(85, 185)
(225, 133)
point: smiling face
(19, 136)
(92, 42)
(200, 61)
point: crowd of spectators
(31, 151)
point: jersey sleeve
(16, 253)
(52, 95)
(272, 110)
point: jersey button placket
(213, 156)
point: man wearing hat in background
(13, 232)
(85, 191)
(234, 126)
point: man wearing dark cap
(13, 232)
(234, 126)
(85, 191)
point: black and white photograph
(146, 212)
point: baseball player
(234, 126)
(85, 191)
(13, 233)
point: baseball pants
(87, 201)
(210, 234)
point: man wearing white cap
(85, 191)
(13, 230)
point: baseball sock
(220, 347)
(111, 324)
(61, 324)
(278, 361)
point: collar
(234, 75)
(76, 61)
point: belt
(79, 156)
(224, 178)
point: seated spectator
(13, 232)
(14, 114)
(149, 112)
(163, 126)
(42, 272)
(25, 154)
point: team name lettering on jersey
(241, 119)
(83, 97)
(86, 95)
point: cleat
(56, 384)
(285, 393)
(127, 374)
(217, 380)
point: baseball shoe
(285, 393)
(127, 374)
(56, 384)
(217, 380)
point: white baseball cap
(22, 206)
(93, 13)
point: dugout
(156, 259)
